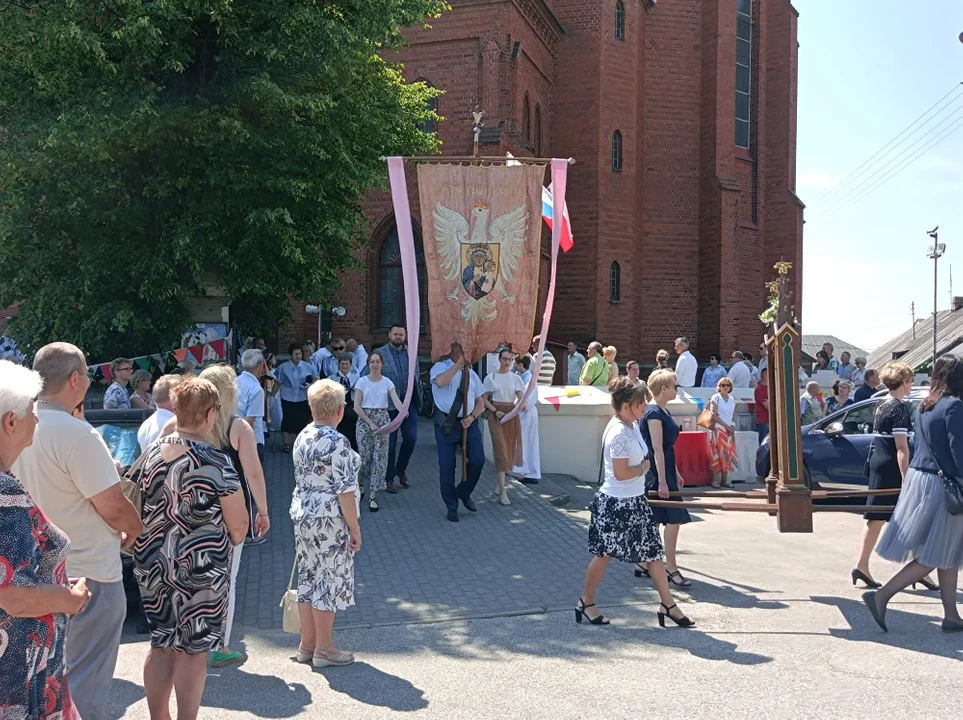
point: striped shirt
(547, 370)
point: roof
(919, 351)
(812, 344)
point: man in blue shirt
(446, 382)
(250, 395)
(395, 368)
(846, 368)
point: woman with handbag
(660, 431)
(926, 527)
(327, 534)
(722, 443)
(235, 436)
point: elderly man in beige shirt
(70, 474)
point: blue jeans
(763, 430)
(409, 436)
(446, 462)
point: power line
(909, 161)
(849, 192)
(903, 132)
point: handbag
(706, 419)
(131, 487)
(951, 485)
(291, 619)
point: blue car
(834, 449)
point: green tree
(148, 146)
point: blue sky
(867, 69)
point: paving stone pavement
(415, 566)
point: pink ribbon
(409, 272)
(559, 176)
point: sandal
(304, 656)
(503, 499)
(223, 659)
(580, 613)
(373, 505)
(640, 571)
(676, 579)
(332, 657)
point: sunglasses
(339, 347)
(724, 385)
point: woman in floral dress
(36, 597)
(327, 534)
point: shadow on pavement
(731, 594)
(123, 693)
(371, 686)
(910, 631)
(265, 696)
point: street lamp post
(935, 253)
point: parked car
(119, 430)
(835, 448)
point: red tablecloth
(692, 458)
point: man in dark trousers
(395, 368)
(449, 419)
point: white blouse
(726, 410)
(503, 386)
(375, 395)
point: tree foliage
(148, 146)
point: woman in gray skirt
(921, 529)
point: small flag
(566, 242)
(159, 359)
(198, 352)
(180, 354)
(108, 375)
(143, 362)
(219, 347)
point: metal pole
(936, 260)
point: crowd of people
(197, 494)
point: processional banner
(482, 229)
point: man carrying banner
(449, 397)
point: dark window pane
(742, 79)
(742, 133)
(617, 151)
(619, 21)
(744, 7)
(390, 300)
(742, 106)
(391, 282)
(428, 126)
(615, 282)
(743, 29)
(742, 52)
(390, 249)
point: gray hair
(252, 359)
(683, 341)
(163, 387)
(56, 362)
(860, 360)
(846, 383)
(737, 354)
(19, 387)
(596, 346)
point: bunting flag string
(158, 363)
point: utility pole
(913, 315)
(935, 253)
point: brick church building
(681, 115)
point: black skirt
(884, 474)
(295, 416)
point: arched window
(526, 118)
(391, 297)
(617, 151)
(537, 140)
(429, 125)
(619, 20)
(615, 282)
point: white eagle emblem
(478, 255)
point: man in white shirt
(250, 395)
(70, 474)
(686, 366)
(151, 428)
(576, 361)
(359, 356)
(446, 379)
(739, 372)
(325, 360)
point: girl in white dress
(530, 470)
(504, 389)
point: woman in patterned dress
(327, 534)
(622, 526)
(36, 598)
(372, 394)
(194, 513)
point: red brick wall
(695, 223)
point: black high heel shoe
(580, 612)
(641, 571)
(681, 622)
(868, 581)
(927, 584)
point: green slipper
(220, 659)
